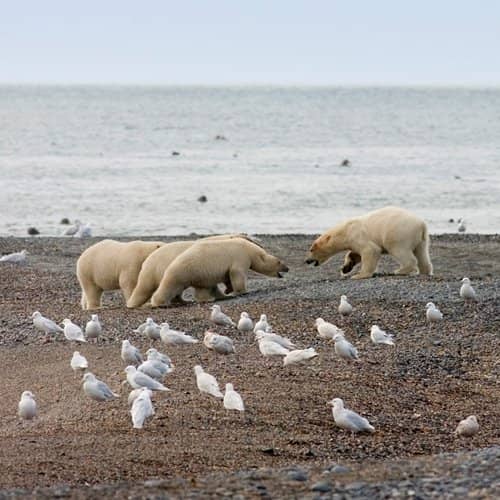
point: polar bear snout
(312, 261)
(283, 269)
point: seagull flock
(146, 374)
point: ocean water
(103, 154)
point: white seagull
(467, 427)
(44, 324)
(207, 383)
(262, 324)
(326, 330)
(379, 336)
(274, 337)
(27, 406)
(218, 343)
(73, 332)
(219, 318)
(466, 290)
(139, 379)
(348, 419)
(299, 355)
(130, 354)
(96, 389)
(245, 324)
(344, 348)
(93, 328)
(232, 400)
(15, 258)
(142, 408)
(78, 362)
(432, 313)
(344, 307)
(152, 330)
(175, 337)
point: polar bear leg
(369, 260)
(238, 281)
(166, 292)
(406, 259)
(93, 297)
(141, 294)
(84, 301)
(423, 259)
(127, 285)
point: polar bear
(391, 230)
(154, 267)
(208, 263)
(109, 265)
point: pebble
(321, 486)
(297, 475)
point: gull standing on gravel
(327, 330)
(277, 339)
(175, 337)
(27, 406)
(130, 354)
(344, 307)
(467, 427)
(207, 383)
(44, 324)
(299, 355)
(219, 318)
(379, 336)
(262, 324)
(153, 354)
(15, 258)
(152, 330)
(432, 313)
(245, 324)
(139, 379)
(218, 343)
(155, 369)
(93, 328)
(232, 400)
(78, 362)
(73, 332)
(344, 348)
(269, 348)
(72, 230)
(84, 231)
(142, 408)
(96, 389)
(348, 419)
(466, 290)
(140, 329)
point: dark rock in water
(451, 220)
(235, 155)
(345, 163)
(64, 220)
(457, 177)
(220, 137)
(175, 153)
(202, 199)
(33, 231)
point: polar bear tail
(422, 253)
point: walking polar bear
(110, 265)
(208, 263)
(389, 230)
(154, 267)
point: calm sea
(104, 155)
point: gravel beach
(286, 444)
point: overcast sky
(251, 41)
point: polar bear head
(322, 249)
(267, 264)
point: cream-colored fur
(389, 230)
(155, 265)
(110, 265)
(208, 263)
